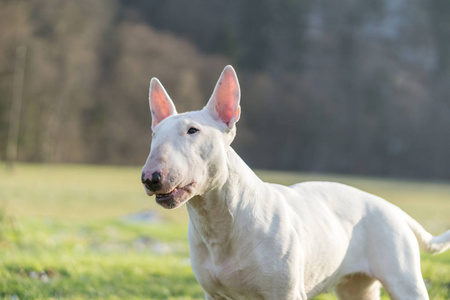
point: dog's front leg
(209, 297)
(301, 292)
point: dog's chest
(227, 278)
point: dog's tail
(427, 242)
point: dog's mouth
(177, 197)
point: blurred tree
(256, 51)
(337, 86)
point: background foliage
(336, 86)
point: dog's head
(188, 152)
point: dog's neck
(214, 215)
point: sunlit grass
(77, 192)
(104, 259)
(65, 233)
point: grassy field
(90, 232)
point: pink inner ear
(227, 98)
(226, 113)
(161, 107)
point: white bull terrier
(255, 240)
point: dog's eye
(192, 130)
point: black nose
(153, 184)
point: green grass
(105, 259)
(64, 233)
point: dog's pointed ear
(224, 102)
(161, 106)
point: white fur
(254, 240)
